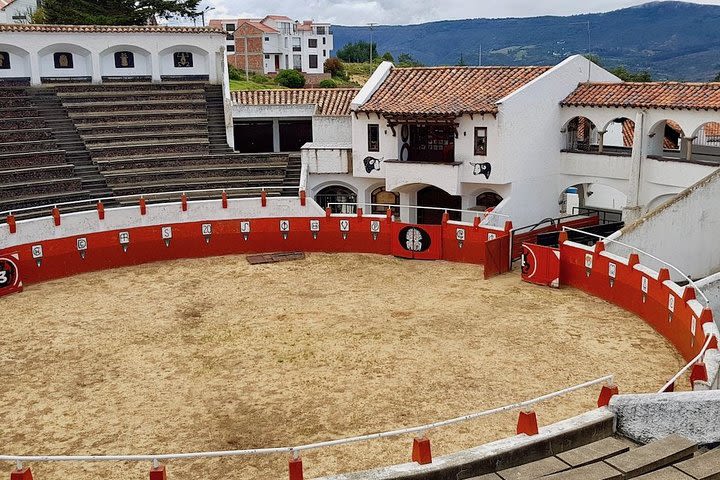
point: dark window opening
(384, 197)
(487, 200)
(337, 194)
(373, 137)
(294, 134)
(183, 59)
(124, 60)
(435, 197)
(4, 61)
(63, 60)
(253, 137)
(313, 61)
(432, 144)
(480, 141)
(312, 42)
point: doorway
(434, 197)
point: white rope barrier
(19, 459)
(635, 249)
(477, 213)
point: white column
(95, 65)
(155, 61)
(34, 69)
(632, 210)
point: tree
(461, 63)
(717, 78)
(387, 57)
(627, 76)
(112, 12)
(290, 79)
(334, 66)
(407, 60)
(358, 52)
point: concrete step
(594, 452)
(592, 471)
(668, 473)
(539, 468)
(702, 467)
(653, 456)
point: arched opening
(14, 62)
(384, 197)
(617, 137)
(706, 143)
(336, 194)
(125, 61)
(593, 198)
(487, 200)
(581, 135)
(184, 62)
(666, 140)
(65, 61)
(437, 198)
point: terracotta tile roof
(278, 17)
(674, 95)
(329, 101)
(20, 27)
(628, 130)
(712, 130)
(259, 25)
(5, 3)
(445, 91)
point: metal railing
(476, 213)
(92, 202)
(649, 255)
(295, 451)
(687, 367)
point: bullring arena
(450, 304)
(211, 354)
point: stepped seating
(34, 169)
(612, 458)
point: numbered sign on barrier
(10, 281)
(541, 265)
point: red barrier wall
(651, 295)
(57, 258)
(541, 265)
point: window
(320, 30)
(267, 39)
(337, 194)
(230, 37)
(296, 44)
(324, 41)
(313, 61)
(286, 42)
(267, 57)
(124, 60)
(230, 48)
(183, 59)
(488, 200)
(480, 141)
(63, 60)
(4, 61)
(373, 137)
(324, 53)
(229, 27)
(297, 62)
(383, 197)
(312, 42)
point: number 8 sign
(9, 275)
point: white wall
(332, 129)
(143, 62)
(89, 45)
(683, 232)
(19, 62)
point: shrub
(235, 73)
(290, 79)
(259, 78)
(334, 66)
(327, 83)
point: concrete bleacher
(34, 169)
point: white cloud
(393, 12)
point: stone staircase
(37, 167)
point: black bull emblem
(482, 169)
(372, 163)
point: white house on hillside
(17, 11)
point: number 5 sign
(9, 275)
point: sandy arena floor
(215, 354)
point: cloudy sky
(360, 12)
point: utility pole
(372, 24)
(480, 56)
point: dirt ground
(215, 354)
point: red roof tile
(20, 27)
(329, 101)
(5, 3)
(448, 91)
(673, 95)
(260, 26)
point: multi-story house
(277, 43)
(17, 11)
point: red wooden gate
(541, 265)
(421, 242)
(497, 252)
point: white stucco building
(17, 11)
(276, 43)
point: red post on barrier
(527, 423)
(689, 293)
(263, 198)
(303, 198)
(508, 225)
(295, 467)
(698, 373)
(158, 473)
(562, 237)
(421, 452)
(11, 223)
(599, 247)
(606, 393)
(56, 216)
(143, 206)
(328, 212)
(224, 199)
(670, 388)
(183, 202)
(388, 214)
(445, 217)
(663, 275)
(21, 474)
(633, 260)
(476, 222)
(101, 210)
(359, 212)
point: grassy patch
(250, 85)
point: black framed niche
(183, 59)
(124, 60)
(4, 60)
(63, 60)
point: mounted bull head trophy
(372, 163)
(482, 169)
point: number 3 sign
(9, 275)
